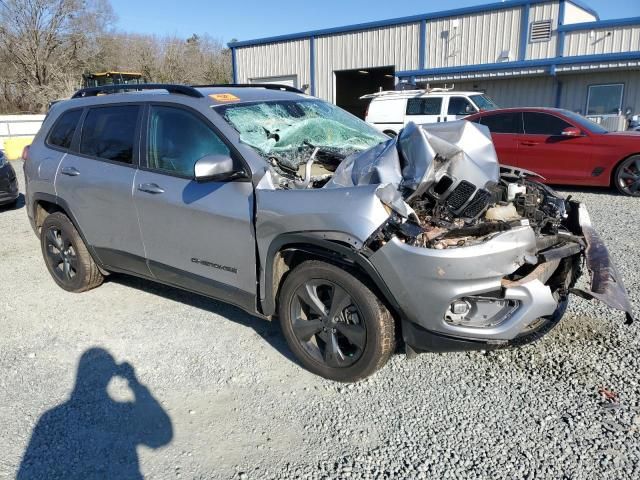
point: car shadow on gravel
(20, 203)
(91, 435)
(268, 330)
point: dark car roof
(516, 109)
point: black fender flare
(323, 248)
(64, 206)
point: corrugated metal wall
(274, 60)
(478, 38)
(516, 92)
(543, 11)
(397, 45)
(605, 40)
(575, 89)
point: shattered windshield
(285, 128)
(484, 102)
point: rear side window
(460, 106)
(109, 133)
(536, 123)
(424, 106)
(178, 139)
(503, 122)
(62, 132)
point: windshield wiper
(325, 151)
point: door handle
(70, 171)
(529, 144)
(150, 188)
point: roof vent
(540, 31)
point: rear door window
(424, 106)
(503, 122)
(65, 127)
(109, 133)
(536, 123)
(178, 139)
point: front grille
(460, 195)
(478, 204)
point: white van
(390, 111)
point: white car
(390, 111)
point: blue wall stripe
(561, 34)
(524, 31)
(558, 94)
(523, 64)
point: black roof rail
(169, 87)
(269, 86)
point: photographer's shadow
(91, 435)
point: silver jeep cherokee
(285, 205)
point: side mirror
(571, 132)
(216, 168)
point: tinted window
(424, 106)
(62, 133)
(178, 139)
(503, 122)
(460, 106)
(536, 123)
(109, 133)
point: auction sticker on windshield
(224, 97)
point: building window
(540, 31)
(605, 99)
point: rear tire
(66, 256)
(334, 324)
(627, 176)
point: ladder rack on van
(408, 92)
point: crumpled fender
(606, 282)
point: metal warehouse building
(521, 53)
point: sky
(249, 19)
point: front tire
(334, 324)
(66, 256)
(627, 176)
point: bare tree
(46, 45)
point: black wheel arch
(51, 204)
(289, 250)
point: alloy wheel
(629, 176)
(328, 324)
(61, 255)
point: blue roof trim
(618, 22)
(522, 64)
(387, 23)
(585, 7)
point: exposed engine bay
(444, 189)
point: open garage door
(352, 84)
(289, 80)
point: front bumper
(426, 282)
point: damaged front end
(477, 254)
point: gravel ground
(224, 399)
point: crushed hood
(415, 160)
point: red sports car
(564, 147)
